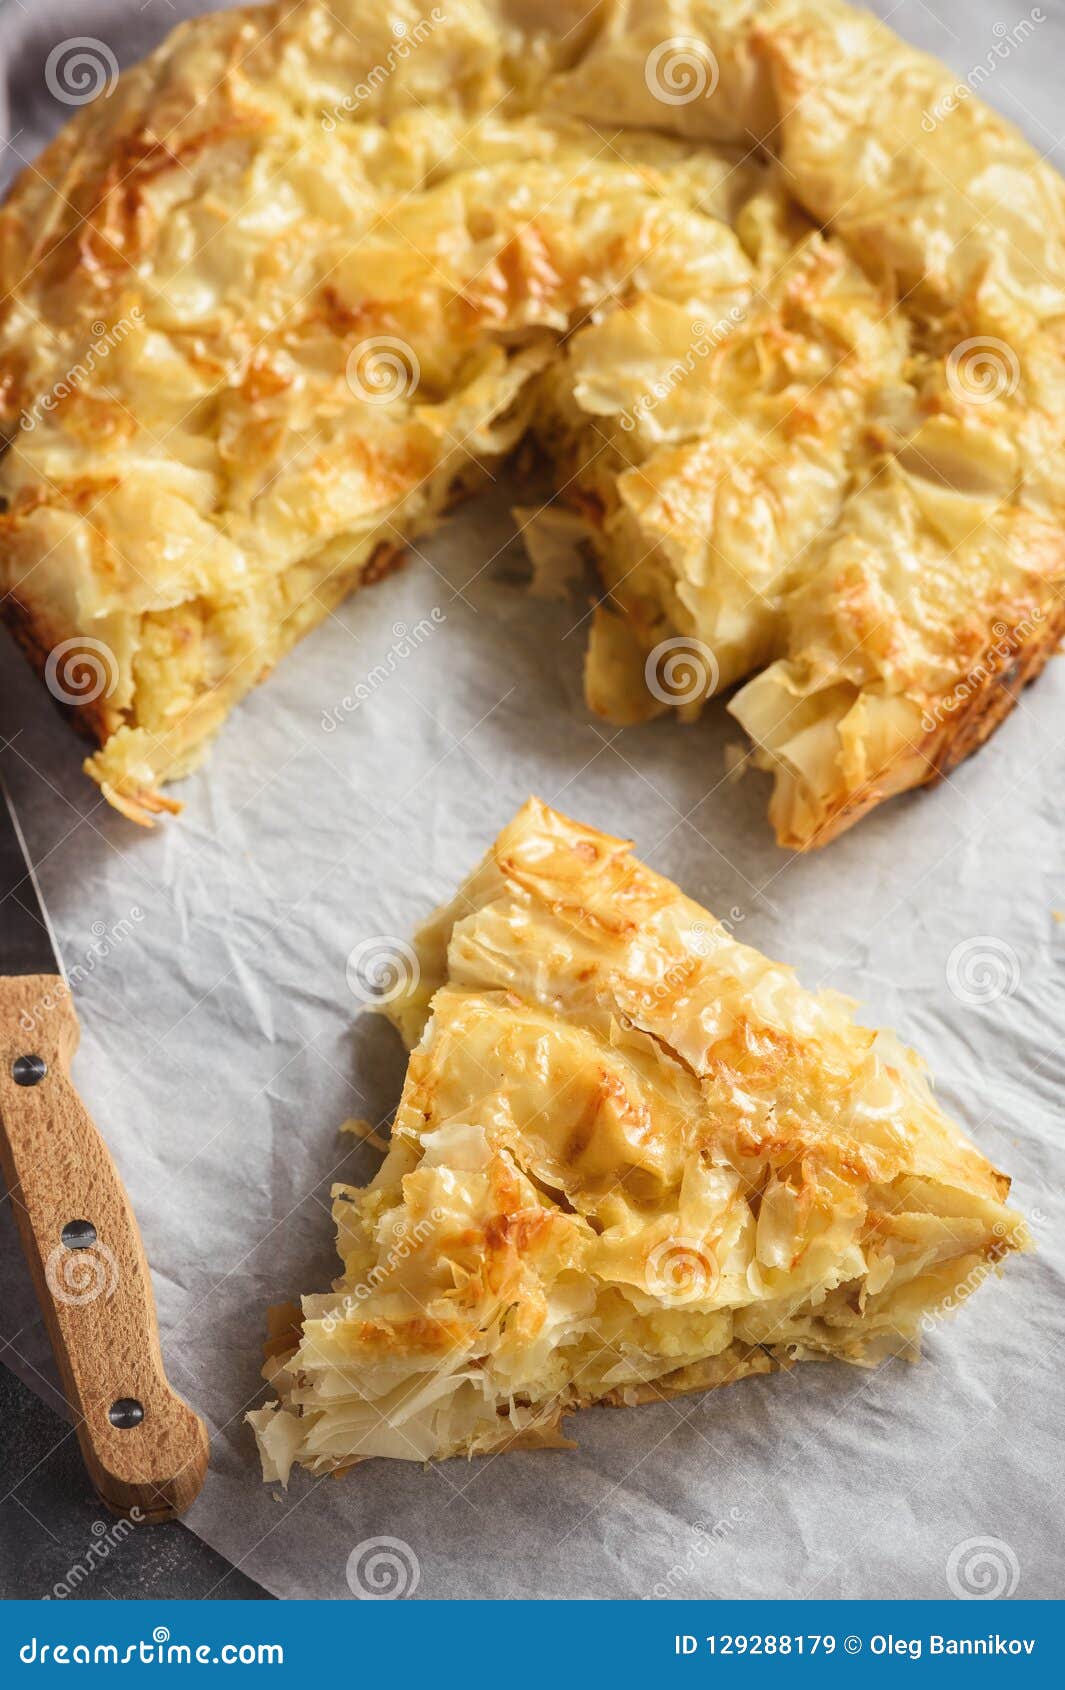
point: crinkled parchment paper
(221, 1049)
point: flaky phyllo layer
(632, 1158)
(786, 314)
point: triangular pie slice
(632, 1158)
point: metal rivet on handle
(28, 1070)
(78, 1235)
(125, 1413)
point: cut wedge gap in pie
(785, 314)
(633, 1158)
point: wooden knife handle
(146, 1451)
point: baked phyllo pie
(633, 1158)
(787, 316)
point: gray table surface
(58, 1541)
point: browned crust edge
(943, 749)
(997, 696)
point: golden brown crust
(988, 701)
(998, 694)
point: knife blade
(145, 1449)
(27, 943)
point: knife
(145, 1449)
